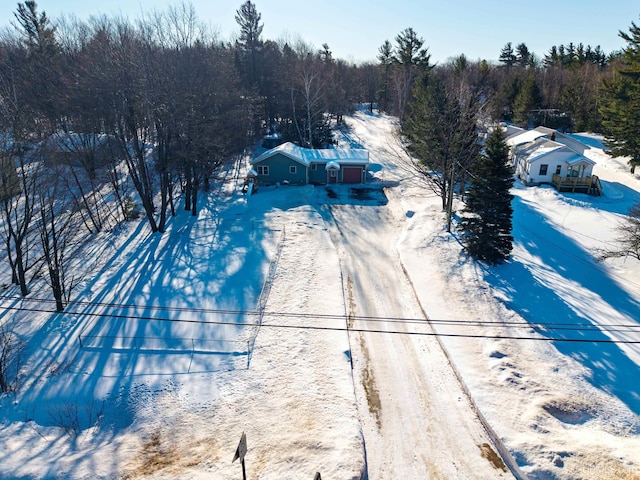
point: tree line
(109, 118)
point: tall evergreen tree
(552, 58)
(620, 103)
(527, 99)
(43, 64)
(507, 55)
(409, 51)
(36, 29)
(412, 60)
(250, 43)
(523, 56)
(487, 215)
(385, 57)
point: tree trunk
(3, 383)
(165, 193)
(56, 287)
(19, 270)
(12, 263)
(188, 190)
(194, 201)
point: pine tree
(487, 215)
(385, 57)
(43, 62)
(250, 43)
(412, 60)
(620, 103)
(527, 99)
(507, 55)
(523, 56)
(409, 51)
(36, 29)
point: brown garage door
(351, 175)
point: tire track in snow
(425, 427)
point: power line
(364, 318)
(424, 322)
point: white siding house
(544, 156)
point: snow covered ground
(236, 321)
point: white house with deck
(545, 156)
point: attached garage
(351, 174)
(293, 165)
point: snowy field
(236, 321)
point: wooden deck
(590, 185)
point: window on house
(558, 169)
(543, 169)
(314, 166)
(333, 173)
(293, 169)
(263, 170)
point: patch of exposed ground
(494, 459)
(160, 454)
(368, 380)
(352, 302)
(156, 455)
(569, 410)
(370, 388)
(594, 466)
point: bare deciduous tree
(58, 226)
(10, 350)
(627, 243)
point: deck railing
(576, 184)
(559, 180)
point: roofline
(274, 151)
(304, 160)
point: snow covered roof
(306, 156)
(580, 159)
(524, 137)
(539, 151)
(332, 164)
(511, 130)
(527, 136)
(542, 147)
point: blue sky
(355, 29)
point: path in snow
(417, 422)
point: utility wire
(328, 328)
(386, 319)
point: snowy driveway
(416, 419)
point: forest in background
(110, 118)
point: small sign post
(241, 451)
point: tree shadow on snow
(616, 198)
(542, 299)
(162, 306)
